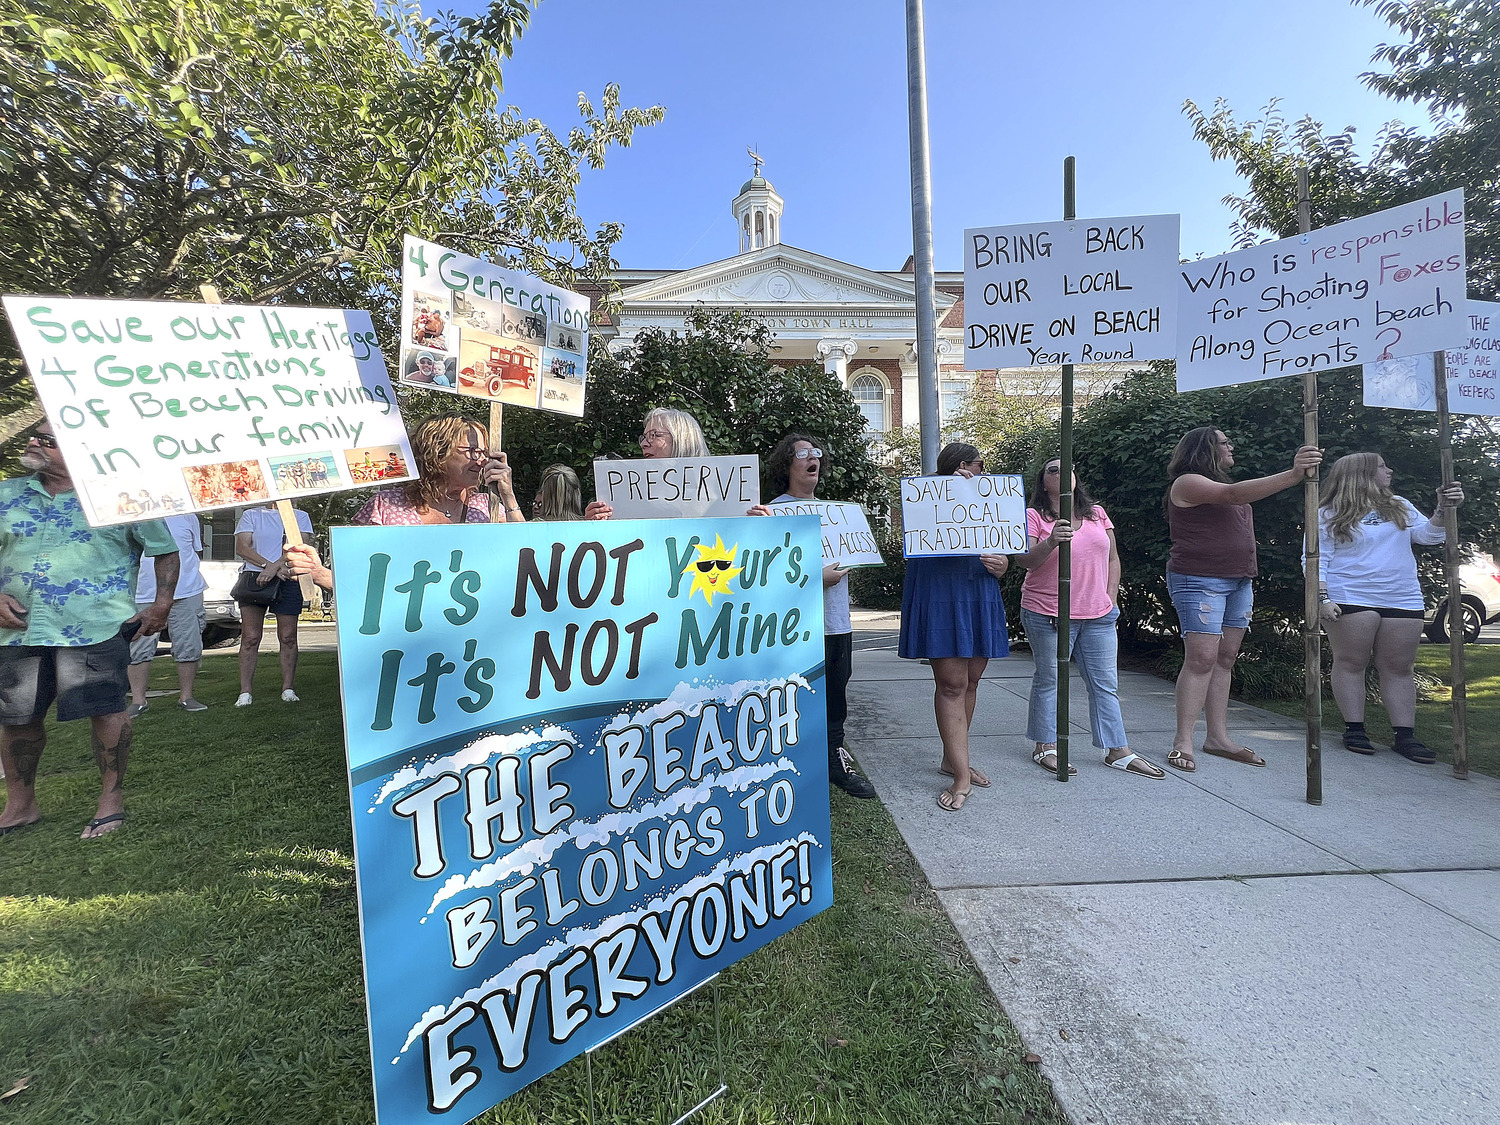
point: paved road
(1209, 949)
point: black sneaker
(1413, 749)
(1358, 741)
(841, 773)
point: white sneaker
(244, 700)
(289, 696)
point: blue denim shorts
(1210, 605)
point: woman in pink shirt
(1095, 585)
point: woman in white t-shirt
(1369, 598)
(1094, 591)
(259, 541)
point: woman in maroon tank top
(1209, 573)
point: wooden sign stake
(1312, 636)
(497, 420)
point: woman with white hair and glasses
(666, 433)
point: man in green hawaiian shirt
(67, 612)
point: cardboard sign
(588, 769)
(667, 487)
(162, 407)
(1473, 371)
(954, 515)
(1379, 287)
(1079, 291)
(847, 539)
(473, 328)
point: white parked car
(1479, 586)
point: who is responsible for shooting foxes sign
(588, 766)
(473, 328)
(162, 407)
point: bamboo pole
(289, 527)
(1460, 697)
(1065, 512)
(1312, 637)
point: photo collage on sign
(375, 463)
(563, 368)
(166, 495)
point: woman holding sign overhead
(952, 614)
(666, 433)
(455, 467)
(1209, 574)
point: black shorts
(87, 681)
(1384, 611)
(288, 601)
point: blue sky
(819, 87)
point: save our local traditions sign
(1374, 288)
(473, 328)
(1070, 291)
(163, 407)
(588, 768)
(1473, 371)
(957, 515)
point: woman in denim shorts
(1209, 574)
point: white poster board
(671, 487)
(847, 539)
(1383, 286)
(473, 328)
(162, 407)
(957, 515)
(1473, 370)
(1079, 291)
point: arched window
(773, 229)
(760, 229)
(746, 246)
(869, 396)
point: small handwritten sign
(163, 407)
(1379, 287)
(1473, 371)
(668, 487)
(1073, 291)
(963, 515)
(847, 539)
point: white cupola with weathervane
(757, 211)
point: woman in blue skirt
(952, 614)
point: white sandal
(1124, 764)
(1049, 749)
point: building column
(836, 355)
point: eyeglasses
(804, 454)
(978, 463)
(705, 565)
(655, 435)
(472, 452)
(46, 441)
(1052, 470)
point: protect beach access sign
(588, 769)
(162, 407)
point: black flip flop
(9, 828)
(112, 818)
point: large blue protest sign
(588, 770)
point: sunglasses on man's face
(46, 441)
(705, 565)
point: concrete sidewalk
(1209, 948)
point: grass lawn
(1434, 716)
(202, 965)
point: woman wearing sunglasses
(952, 614)
(1094, 587)
(793, 471)
(666, 433)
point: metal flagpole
(1451, 560)
(1065, 512)
(1312, 636)
(921, 236)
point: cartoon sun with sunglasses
(713, 569)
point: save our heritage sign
(955, 515)
(1375, 288)
(1070, 291)
(588, 769)
(163, 407)
(1473, 371)
(473, 328)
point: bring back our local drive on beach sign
(588, 767)
(163, 407)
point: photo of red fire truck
(504, 365)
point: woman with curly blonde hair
(454, 467)
(1369, 599)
